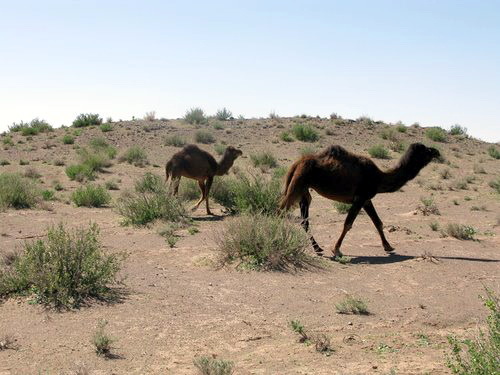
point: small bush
(434, 225)
(203, 136)
(150, 116)
(68, 139)
(436, 134)
(458, 130)
(305, 133)
(135, 155)
(96, 161)
(195, 116)
(64, 270)
(33, 127)
(23, 162)
(264, 159)
(286, 137)
(175, 141)
(4, 162)
(308, 150)
(401, 128)
(481, 356)
(213, 366)
(460, 231)
(111, 185)
(88, 119)
(100, 145)
(493, 152)
(91, 196)
(262, 242)
(351, 305)
(428, 207)
(388, 133)
(17, 191)
(80, 172)
(223, 114)
(219, 148)
(397, 146)
(478, 169)
(32, 173)
(189, 190)
(242, 194)
(150, 202)
(445, 173)
(379, 152)
(101, 341)
(342, 208)
(107, 127)
(48, 195)
(7, 140)
(218, 125)
(495, 184)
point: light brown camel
(340, 175)
(193, 162)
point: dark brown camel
(193, 162)
(340, 175)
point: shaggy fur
(340, 175)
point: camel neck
(394, 179)
(224, 164)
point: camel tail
(295, 184)
(168, 171)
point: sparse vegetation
(203, 136)
(401, 128)
(389, 134)
(68, 139)
(434, 225)
(87, 119)
(458, 130)
(33, 127)
(305, 133)
(445, 173)
(213, 366)
(495, 184)
(80, 172)
(286, 137)
(101, 340)
(264, 159)
(195, 116)
(17, 191)
(262, 242)
(175, 141)
(48, 195)
(136, 156)
(479, 356)
(460, 231)
(91, 196)
(342, 208)
(223, 114)
(436, 134)
(428, 207)
(107, 127)
(352, 305)
(379, 152)
(150, 116)
(63, 270)
(219, 148)
(493, 152)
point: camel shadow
(396, 258)
(212, 218)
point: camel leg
(201, 184)
(370, 210)
(305, 202)
(351, 216)
(208, 185)
(174, 185)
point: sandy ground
(177, 306)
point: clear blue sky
(433, 62)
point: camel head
(232, 153)
(227, 160)
(422, 153)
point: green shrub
(23, 162)
(87, 119)
(175, 140)
(308, 150)
(101, 341)
(223, 114)
(100, 145)
(218, 125)
(111, 185)
(195, 116)
(219, 149)
(203, 136)
(48, 195)
(80, 172)
(458, 130)
(397, 146)
(379, 152)
(436, 134)
(263, 242)
(286, 137)
(91, 196)
(33, 127)
(4, 162)
(482, 354)
(213, 366)
(68, 139)
(106, 127)
(342, 208)
(264, 159)
(189, 190)
(151, 201)
(17, 191)
(242, 194)
(64, 270)
(401, 128)
(352, 305)
(495, 184)
(493, 152)
(7, 140)
(135, 155)
(460, 231)
(389, 134)
(305, 133)
(96, 161)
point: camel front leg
(201, 184)
(208, 185)
(174, 185)
(351, 216)
(370, 210)
(305, 202)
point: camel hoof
(210, 213)
(389, 249)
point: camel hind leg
(174, 185)
(208, 185)
(351, 216)
(304, 204)
(370, 210)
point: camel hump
(337, 152)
